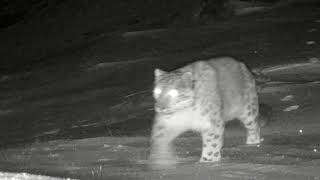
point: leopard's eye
(157, 91)
(173, 93)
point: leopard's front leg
(212, 142)
(161, 145)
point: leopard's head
(173, 91)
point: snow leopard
(202, 96)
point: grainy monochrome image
(160, 90)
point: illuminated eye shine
(173, 93)
(157, 91)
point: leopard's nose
(160, 107)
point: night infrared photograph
(160, 89)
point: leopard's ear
(187, 76)
(205, 66)
(158, 73)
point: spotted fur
(201, 97)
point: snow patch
(5, 111)
(104, 160)
(55, 131)
(312, 30)
(113, 64)
(106, 146)
(291, 108)
(151, 32)
(4, 78)
(287, 98)
(26, 176)
(310, 42)
(314, 61)
(249, 10)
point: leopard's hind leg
(249, 118)
(250, 108)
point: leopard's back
(236, 85)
